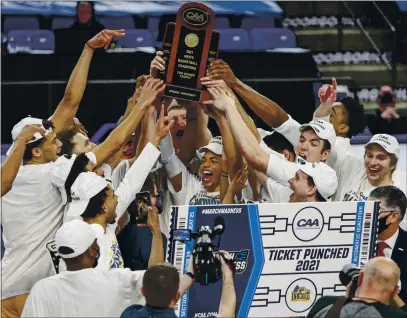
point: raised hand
(239, 181)
(157, 64)
(327, 94)
(164, 124)
(209, 82)
(221, 70)
(222, 99)
(103, 39)
(149, 92)
(28, 133)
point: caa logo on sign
(195, 17)
(300, 295)
(308, 224)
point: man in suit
(392, 239)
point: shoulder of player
(321, 303)
(131, 311)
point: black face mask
(382, 223)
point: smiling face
(378, 164)
(179, 115)
(210, 171)
(300, 186)
(310, 147)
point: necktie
(380, 248)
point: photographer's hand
(227, 306)
(187, 281)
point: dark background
(105, 103)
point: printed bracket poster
(286, 255)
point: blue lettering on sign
(309, 222)
(357, 237)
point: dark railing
(392, 68)
(394, 51)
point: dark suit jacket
(399, 255)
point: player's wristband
(90, 46)
(190, 275)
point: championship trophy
(189, 46)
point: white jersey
(85, 293)
(274, 192)
(126, 190)
(32, 212)
(353, 182)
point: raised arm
(263, 107)
(157, 250)
(209, 82)
(121, 133)
(227, 305)
(245, 141)
(147, 129)
(134, 179)
(68, 106)
(236, 186)
(327, 97)
(203, 134)
(10, 168)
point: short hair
(78, 166)
(356, 116)
(319, 197)
(47, 124)
(161, 285)
(278, 143)
(95, 204)
(393, 198)
(66, 137)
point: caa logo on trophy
(189, 46)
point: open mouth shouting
(207, 176)
(179, 133)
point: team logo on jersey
(240, 259)
(55, 257)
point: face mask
(382, 224)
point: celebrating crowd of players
(69, 214)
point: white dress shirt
(391, 241)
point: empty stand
(264, 39)
(135, 38)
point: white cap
(322, 128)
(387, 142)
(174, 103)
(77, 235)
(215, 146)
(61, 169)
(20, 126)
(85, 187)
(324, 177)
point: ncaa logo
(308, 224)
(195, 17)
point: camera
(386, 99)
(143, 202)
(350, 274)
(207, 267)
